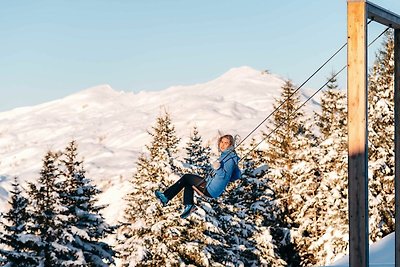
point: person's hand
(216, 164)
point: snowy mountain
(111, 127)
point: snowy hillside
(381, 253)
(111, 127)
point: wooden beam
(383, 16)
(397, 142)
(357, 126)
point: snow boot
(188, 210)
(161, 197)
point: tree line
(55, 221)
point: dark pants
(186, 182)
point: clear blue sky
(50, 49)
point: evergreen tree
(329, 233)
(164, 146)
(47, 224)
(381, 141)
(198, 156)
(152, 235)
(333, 111)
(291, 168)
(14, 227)
(86, 224)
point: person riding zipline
(225, 170)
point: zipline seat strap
(198, 191)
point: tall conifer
(152, 235)
(86, 224)
(381, 141)
(329, 234)
(14, 234)
(288, 142)
(197, 156)
(47, 224)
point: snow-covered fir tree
(164, 146)
(291, 168)
(329, 235)
(48, 227)
(333, 116)
(86, 224)
(197, 156)
(14, 225)
(303, 190)
(381, 141)
(153, 235)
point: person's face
(224, 144)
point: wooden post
(357, 13)
(357, 126)
(397, 142)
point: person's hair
(229, 137)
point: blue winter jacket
(227, 172)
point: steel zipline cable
(309, 78)
(291, 114)
(283, 102)
(280, 105)
(308, 99)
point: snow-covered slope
(111, 127)
(381, 253)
